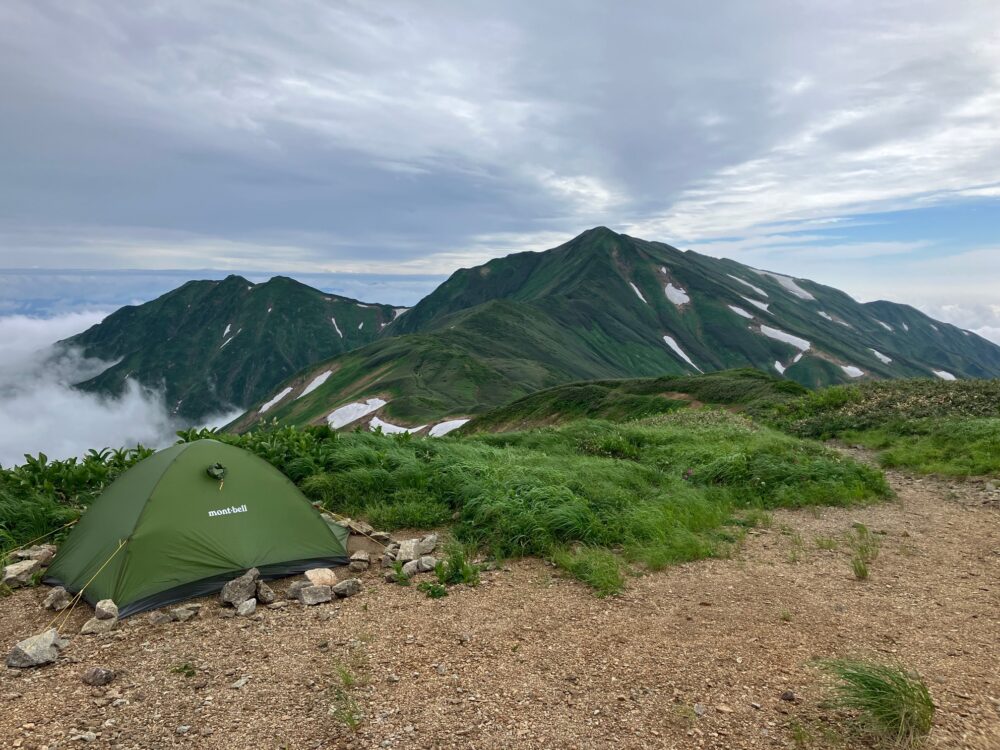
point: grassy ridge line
(592, 496)
(950, 428)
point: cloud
(39, 410)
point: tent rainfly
(184, 521)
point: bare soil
(530, 659)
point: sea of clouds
(40, 411)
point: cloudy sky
(379, 146)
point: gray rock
(360, 561)
(227, 614)
(265, 594)
(98, 677)
(427, 544)
(57, 599)
(159, 618)
(20, 573)
(348, 587)
(183, 729)
(93, 626)
(240, 589)
(408, 550)
(182, 614)
(37, 650)
(87, 736)
(247, 608)
(106, 610)
(382, 537)
(240, 683)
(43, 553)
(277, 605)
(358, 527)
(311, 595)
(423, 564)
(388, 560)
(390, 576)
(699, 709)
(295, 590)
(788, 695)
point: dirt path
(531, 660)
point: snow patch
(906, 327)
(336, 327)
(269, 309)
(316, 383)
(276, 399)
(757, 289)
(944, 375)
(229, 327)
(880, 356)
(756, 303)
(669, 341)
(361, 304)
(825, 315)
(788, 283)
(352, 412)
(663, 270)
(676, 295)
(391, 429)
(740, 311)
(852, 371)
(935, 327)
(779, 367)
(638, 293)
(361, 325)
(797, 358)
(397, 311)
(886, 326)
(222, 346)
(443, 428)
(779, 335)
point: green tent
(186, 520)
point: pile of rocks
(244, 593)
(321, 585)
(29, 562)
(414, 554)
(104, 620)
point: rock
(159, 618)
(423, 564)
(183, 729)
(240, 589)
(390, 576)
(247, 608)
(57, 599)
(358, 527)
(312, 595)
(408, 550)
(98, 677)
(427, 544)
(106, 610)
(20, 573)
(87, 736)
(321, 577)
(699, 709)
(388, 560)
(43, 553)
(295, 590)
(277, 605)
(227, 614)
(182, 614)
(93, 626)
(360, 561)
(348, 587)
(239, 683)
(37, 650)
(789, 696)
(265, 594)
(724, 709)
(382, 537)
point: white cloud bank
(40, 412)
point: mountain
(606, 305)
(215, 345)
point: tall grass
(656, 492)
(892, 704)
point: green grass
(931, 427)
(892, 704)
(664, 490)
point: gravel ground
(697, 656)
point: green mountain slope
(215, 345)
(606, 305)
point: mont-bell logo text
(227, 511)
